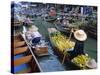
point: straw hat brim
(80, 38)
(92, 66)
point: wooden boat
(17, 38)
(64, 29)
(22, 60)
(57, 50)
(41, 51)
(64, 57)
(27, 62)
(19, 44)
(92, 31)
(50, 19)
(20, 50)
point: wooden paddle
(67, 41)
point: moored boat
(50, 19)
(60, 43)
(22, 61)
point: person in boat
(80, 37)
(58, 21)
(52, 12)
(33, 35)
(91, 64)
(27, 21)
(65, 22)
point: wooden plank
(20, 50)
(17, 38)
(22, 60)
(19, 44)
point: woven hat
(91, 64)
(80, 35)
(33, 28)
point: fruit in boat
(81, 61)
(61, 42)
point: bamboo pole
(66, 50)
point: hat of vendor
(52, 8)
(91, 64)
(80, 35)
(34, 28)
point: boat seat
(22, 60)
(21, 68)
(19, 44)
(21, 64)
(18, 38)
(20, 50)
(18, 56)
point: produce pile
(61, 42)
(81, 61)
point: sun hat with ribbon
(80, 35)
(91, 64)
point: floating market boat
(50, 19)
(63, 50)
(60, 43)
(92, 31)
(64, 28)
(22, 59)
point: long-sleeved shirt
(32, 35)
(36, 34)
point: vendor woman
(33, 35)
(27, 21)
(80, 37)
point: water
(50, 62)
(91, 47)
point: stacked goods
(61, 42)
(41, 51)
(81, 61)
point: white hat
(91, 64)
(34, 28)
(80, 35)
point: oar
(24, 29)
(70, 35)
(64, 57)
(66, 49)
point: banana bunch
(61, 42)
(81, 61)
